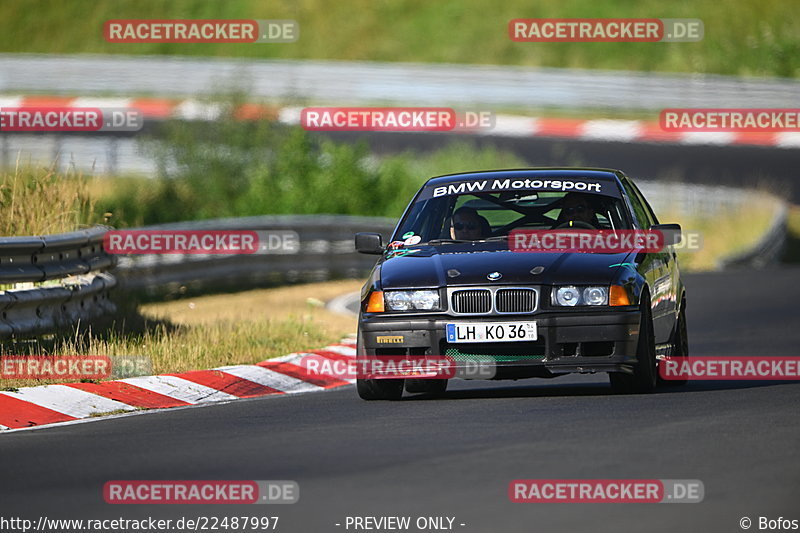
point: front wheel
(644, 374)
(680, 347)
(380, 389)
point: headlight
(408, 300)
(595, 296)
(571, 296)
(425, 300)
(398, 300)
(567, 296)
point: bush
(233, 168)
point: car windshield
(492, 216)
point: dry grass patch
(212, 331)
(38, 201)
(724, 234)
(258, 305)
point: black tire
(427, 386)
(645, 373)
(680, 343)
(380, 389)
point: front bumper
(584, 342)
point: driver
(467, 224)
(577, 207)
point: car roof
(554, 172)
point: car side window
(642, 217)
(649, 210)
(425, 218)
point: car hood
(454, 265)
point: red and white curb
(49, 404)
(630, 131)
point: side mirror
(369, 243)
(672, 233)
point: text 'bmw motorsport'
(509, 184)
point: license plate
(491, 332)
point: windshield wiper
(458, 241)
(444, 241)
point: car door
(671, 261)
(658, 267)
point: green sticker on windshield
(408, 234)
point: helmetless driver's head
(577, 206)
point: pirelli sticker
(389, 339)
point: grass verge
(724, 233)
(37, 201)
(211, 331)
(743, 38)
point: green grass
(744, 37)
(207, 331)
(230, 168)
(338, 179)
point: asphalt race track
(455, 457)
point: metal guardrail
(77, 260)
(685, 199)
(376, 83)
(767, 250)
(77, 265)
(326, 251)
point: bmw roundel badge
(493, 276)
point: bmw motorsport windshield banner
(486, 186)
